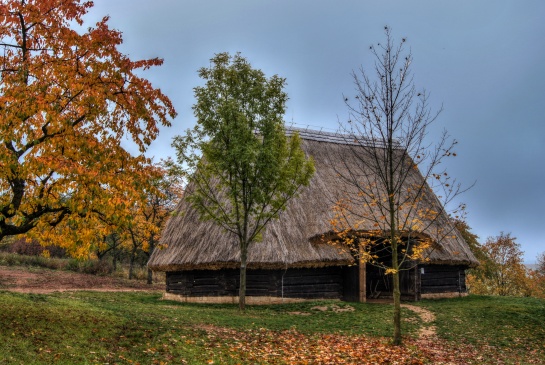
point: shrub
(23, 247)
(94, 267)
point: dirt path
(44, 281)
(428, 330)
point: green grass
(508, 323)
(123, 328)
(89, 327)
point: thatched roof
(293, 239)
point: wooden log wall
(443, 279)
(317, 283)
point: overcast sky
(484, 62)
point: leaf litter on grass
(264, 346)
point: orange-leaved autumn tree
(143, 230)
(67, 99)
(389, 209)
(537, 277)
(114, 210)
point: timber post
(362, 282)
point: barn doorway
(367, 281)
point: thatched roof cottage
(201, 260)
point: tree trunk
(131, 263)
(362, 277)
(150, 252)
(242, 288)
(397, 294)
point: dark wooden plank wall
(443, 279)
(292, 283)
(311, 283)
(326, 283)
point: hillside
(42, 281)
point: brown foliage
(536, 278)
(292, 347)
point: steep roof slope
(291, 240)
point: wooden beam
(362, 278)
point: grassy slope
(89, 328)
(507, 323)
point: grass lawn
(506, 324)
(138, 328)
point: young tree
(541, 263)
(504, 272)
(145, 226)
(248, 169)
(475, 276)
(471, 238)
(388, 123)
(67, 99)
(111, 245)
(537, 277)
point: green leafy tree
(477, 275)
(244, 169)
(471, 239)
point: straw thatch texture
(289, 241)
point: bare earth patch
(44, 281)
(427, 317)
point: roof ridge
(336, 137)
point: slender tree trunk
(242, 288)
(397, 296)
(395, 267)
(131, 262)
(151, 244)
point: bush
(94, 267)
(15, 259)
(23, 247)
(90, 266)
